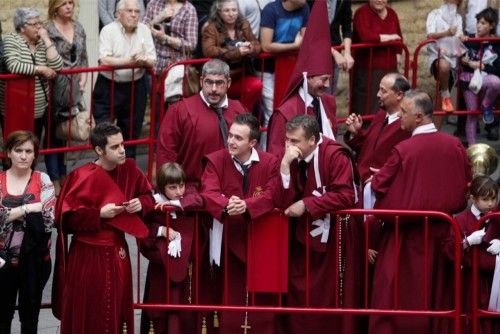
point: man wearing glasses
(124, 42)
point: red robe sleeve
(215, 200)
(339, 191)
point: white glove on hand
(476, 237)
(2, 262)
(495, 247)
(174, 246)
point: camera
(231, 42)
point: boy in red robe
(318, 178)
(238, 186)
(170, 254)
(99, 202)
(429, 171)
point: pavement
(48, 324)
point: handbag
(182, 80)
(77, 127)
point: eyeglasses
(34, 24)
(217, 83)
(72, 53)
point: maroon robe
(221, 180)
(294, 106)
(182, 286)
(374, 144)
(426, 172)
(486, 267)
(336, 173)
(93, 284)
(189, 131)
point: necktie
(222, 123)
(317, 111)
(386, 121)
(303, 165)
(244, 169)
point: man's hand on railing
(297, 209)
(389, 37)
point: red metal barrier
(415, 74)
(429, 218)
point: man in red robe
(306, 93)
(194, 127)
(318, 179)
(429, 171)
(374, 144)
(98, 203)
(238, 186)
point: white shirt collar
(427, 128)
(392, 117)
(254, 157)
(224, 104)
(475, 211)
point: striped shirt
(19, 60)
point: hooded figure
(306, 92)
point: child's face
(483, 28)
(485, 204)
(175, 190)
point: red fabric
(189, 131)
(282, 66)
(19, 116)
(292, 107)
(93, 288)
(248, 89)
(267, 257)
(425, 172)
(336, 172)
(373, 146)
(220, 181)
(367, 28)
(315, 55)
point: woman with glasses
(228, 36)
(30, 51)
(69, 40)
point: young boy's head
(171, 180)
(484, 192)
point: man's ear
(252, 143)
(99, 151)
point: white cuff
(285, 180)
(162, 232)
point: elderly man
(317, 180)
(124, 42)
(429, 171)
(306, 93)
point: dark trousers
(29, 279)
(124, 104)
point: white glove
(476, 237)
(2, 262)
(495, 247)
(174, 246)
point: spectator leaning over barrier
(282, 27)
(26, 220)
(228, 36)
(429, 171)
(238, 186)
(445, 25)
(485, 57)
(29, 51)
(69, 39)
(374, 22)
(317, 179)
(121, 43)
